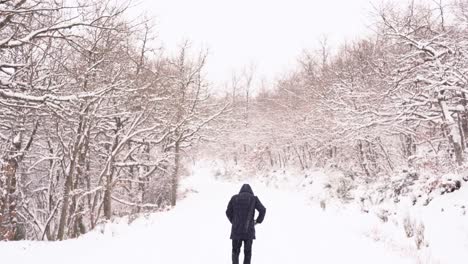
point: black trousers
(236, 247)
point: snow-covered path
(197, 231)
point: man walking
(241, 214)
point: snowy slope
(197, 231)
(445, 227)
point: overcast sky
(270, 34)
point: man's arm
(261, 210)
(230, 210)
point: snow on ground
(197, 231)
(445, 228)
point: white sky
(270, 34)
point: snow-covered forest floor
(296, 230)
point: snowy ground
(197, 231)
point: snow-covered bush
(449, 183)
(419, 236)
(416, 230)
(343, 189)
(403, 182)
(408, 226)
(337, 184)
(383, 215)
(323, 204)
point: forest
(96, 122)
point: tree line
(392, 101)
(95, 122)
(93, 118)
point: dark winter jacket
(241, 213)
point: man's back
(241, 211)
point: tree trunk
(8, 195)
(299, 158)
(108, 199)
(363, 159)
(66, 200)
(452, 130)
(68, 187)
(8, 220)
(175, 174)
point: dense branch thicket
(395, 100)
(93, 120)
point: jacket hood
(246, 188)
